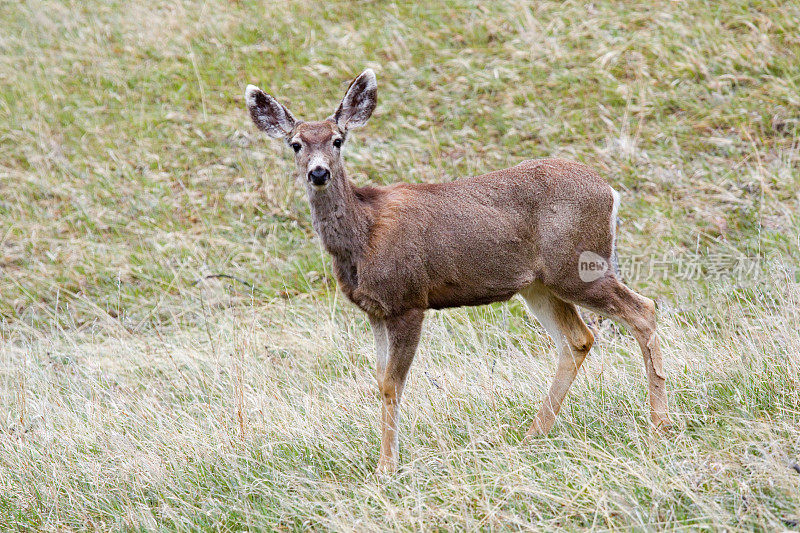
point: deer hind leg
(396, 340)
(611, 297)
(573, 341)
(639, 313)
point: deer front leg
(381, 345)
(396, 340)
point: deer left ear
(358, 103)
(268, 114)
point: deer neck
(342, 222)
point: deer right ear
(270, 116)
(358, 103)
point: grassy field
(174, 353)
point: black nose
(319, 176)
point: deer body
(469, 242)
(401, 249)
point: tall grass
(267, 416)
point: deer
(544, 229)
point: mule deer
(544, 229)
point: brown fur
(404, 248)
(475, 240)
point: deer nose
(319, 176)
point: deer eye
(337, 143)
(296, 147)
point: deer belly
(479, 275)
(479, 292)
(454, 298)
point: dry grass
(135, 397)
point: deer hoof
(386, 467)
(661, 424)
(537, 429)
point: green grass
(135, 394)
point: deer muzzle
(319, 176)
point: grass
(137, 393)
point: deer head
(317, 145)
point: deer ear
(270, 116)
(358, 103)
